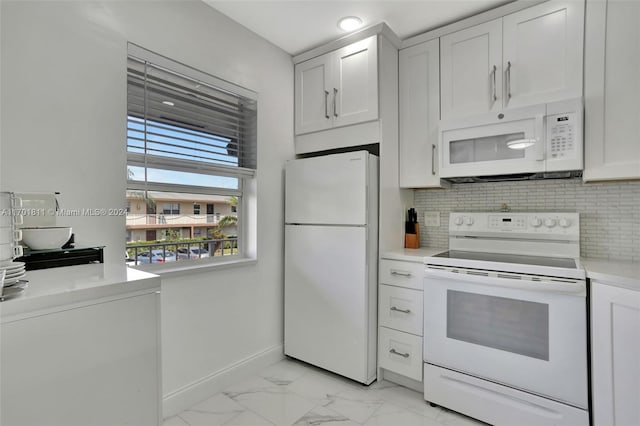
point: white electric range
(505, 320)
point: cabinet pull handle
(404, 311)
(494, 97)
(403, 355)
(326, 106)
(433, 159)
(402, 274)
(335, 95)
(508, 80)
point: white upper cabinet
(355, 88)
(312, 95)
(337, 89)
(471, 76)
(419, 115)
(542, 57)
(528, 57)
(612, 90)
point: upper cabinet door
(542, 55)
(471, 70)
(355, 84)
(419, 115)
(312, 96)
(612, 90)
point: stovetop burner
(554, 262)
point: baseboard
(179, 400)
(400, 380)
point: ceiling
(299, 25)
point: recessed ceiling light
(349, 23)
(168, 103)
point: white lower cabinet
(401, 273)
(400, 352)
(400, 306)
(91, 365)
(615, 349)
(400, 309)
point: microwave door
(493, 149)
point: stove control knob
(549, 223)
(564, 222)
(536, 222)
(468, 221)
(458, 221)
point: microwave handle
(540, 138)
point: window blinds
(181, 123)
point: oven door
(526, 335)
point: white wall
(63, 118)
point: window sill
(195, 267)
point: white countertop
(412, 255)
(619, 274)
(55, 288)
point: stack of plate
(15, 272)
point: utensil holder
(413, 240)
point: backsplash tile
(609, 212)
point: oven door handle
(542, 286)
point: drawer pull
(400, 273)
(404, 311)
(393, 351)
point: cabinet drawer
(400, 309)
(403, 274)
(400, 352)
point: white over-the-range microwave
(535, 141)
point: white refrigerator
(331, 252)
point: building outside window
(191, 142)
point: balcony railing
(172, 219)
(159, 252)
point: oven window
(512, 325)
(489, 148)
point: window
(191, 139)
(171, 208)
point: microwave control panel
(562, 136)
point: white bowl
(46, 237)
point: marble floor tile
(281, 408)
(410, 400)
(321, 416)
(451, 418)
(249, 418)
(357, 405)
(317, 387)
(391, 414)
(293, 393)
(201, 418)
(284, 372)
(215, 411)
(174, 421)
(219, 403)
